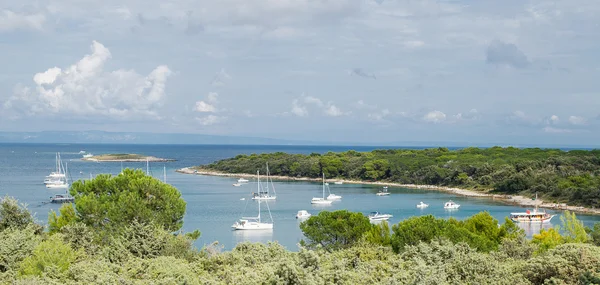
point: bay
(213, 204)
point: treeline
(558, 176)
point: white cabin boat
(451, 205)
(242, 180)
(422, 205)
(303, 214)
(87, 155)
(534, 217)
(376, 216)
(237, 184)
(253, 223)
(338, 182)
(321, 200)
(62, 198)
(383, 192)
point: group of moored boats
(59, 179)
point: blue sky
(325, 70)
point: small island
(125, 157)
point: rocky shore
(516, 200)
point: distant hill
(136, 138)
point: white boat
(59, 180)
(303, 214)
(253, 223)
(451, 205)
(264, 194)
(58, 175)
(376, 216)
(338, 182)
(422, 205)
(331, 196)
(62, 198)
(242, 180)
(87, 155)
(383, 192)
(82, 152)
(237, 184)
(321, 200)
(535, 217)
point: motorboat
(422, 205)
(338, 182)
(450, 205)
(87, 155)
(237, 184)
(383, 192)
(534, 217)
(62, 198)
(321, 200)
(376, 216)
(303, 214)
(254, 223)
(242, 180)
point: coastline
(509, 199)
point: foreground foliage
(558, 176)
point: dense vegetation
(558, 176)
(341, 247)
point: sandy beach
(510, 199)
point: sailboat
(254, 223)
(59, 180)
(383, 192)
(264, 194)
(331, 195)
(62, 198)
(321, 201)
(57, 176)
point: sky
(368, 71)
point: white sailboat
(59, 180)
(254, 223)
(319, 200)
(264, 194)
(331, 195)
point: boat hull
(252, 226)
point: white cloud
(204, 107)
(298, 109)
(435, 117)
(312, 100)
(10, 21)
(379, 115)
(86, 89)
(554, 119)
(576, 120)
(333, 111)
(210, 120)
(360, 104)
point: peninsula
(125, 157)
(568, 180)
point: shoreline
(509, 199)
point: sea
(214, 204)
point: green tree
(547, 239)
(67, 217)
(574, 230)
(116, 201)
(414, 230)
(379, 234)
(595, 234)
(50, 255)
(13, 215)
(334, 230)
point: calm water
(213, 204)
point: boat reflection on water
(252, 236)
(534, 228)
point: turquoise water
(213, 204)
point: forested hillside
(556, 175)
